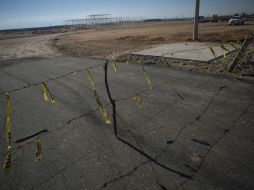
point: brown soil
(100, 43)
(32, 46)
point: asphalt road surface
(205, 141)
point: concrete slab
(196, 51)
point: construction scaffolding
(99, 20)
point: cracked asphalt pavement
(205, 141)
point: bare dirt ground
(100, 43)
(123, 40)
(32, 46)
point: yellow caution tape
(37, 143)
(215, 57)
(163, 60)
(225, 55)
(114, 61)
(139, 101)
(177, 91)
(8, 118)
(104, 114)
(213, 52)
(90, 78)
(223, 61)
(145, 75)
(233, 45)
(113, 56)
(225, 50)
(46, 92)
(114, 66)
(7, 162)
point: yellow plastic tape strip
(46, 92)
(145, 75)
(223, 61)
(90, 78)
(163, 60)
(139, 101)
(215, 57)
(114, 66)
(233, 45)
(113, 56)
(104, 114)
(37, 143)
(225, 55)
(175, 90)
(50, 95)
(225, 50)
(213, 52)
(114, 60)
(8, 118)
(7, 162)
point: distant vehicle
(236, 20)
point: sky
(36, 13)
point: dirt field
(101, 43)
(32, 46)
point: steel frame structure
(99, 20)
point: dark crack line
(148, 90)
(161, 111)
(179, 173)
(162, 187)
(50, 79)
(200, 115)
(77, 117)
(152, 117)
(201, 142)
(189, 124)
(139, 150)
(154, 160)
(129, 173)
(139, 146)
(217, 141)
(210, 102)
(51, 177)
(31, 136)
(82, 115)
(190, 167)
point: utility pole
(196, 20)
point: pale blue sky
(35, 13)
